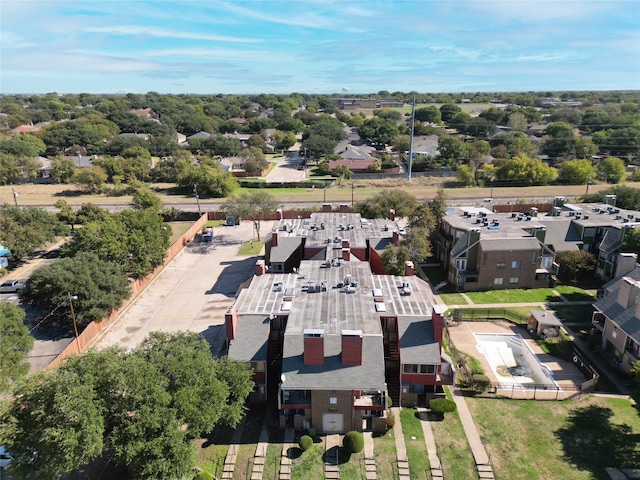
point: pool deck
(463, 337)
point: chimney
(279, 211)
(396, 237)
(437, 319)
(344, 208)
(474, 236)
(274, 239)
(231, 322)
(409, 269)
(610, 200)
(351, 347)
(626, 263)
(314, 346)
(326, 208)
(629, 289)
(392, 215)
(346, 254)
(260, 267)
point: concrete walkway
(332, 460)
(261, 450)
(371, 471)
(483, 464)
(285, 459)
(401, 448)
(232, 453)
(430, 441)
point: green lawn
(574, 294)
(566, 440)
(251, 247)
(453, 299)
(178, 229)
(309, 464)
(452, 447)
(535, 295)
(384, 448)
(414, 441)
(574, 314)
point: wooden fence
(95, 328)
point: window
(513, 280)
(461, 264)
(534, 258)
(515, 264)
(410, 368)
(500, 265)
(413, 368)
(546, 262)
(258, 366)
(333, 400)
(589, 232)
(484, 258)
(428, 369)
(498, 281)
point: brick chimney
(396, 237)
(231, 322)
(274, 239)
(627, 292)
(437, 320)
(344, 208)
(351, 347)
(314, 346)
(326, 208)
(346, 254)
(392, 215)
(260, 267)
(409, 269)
(279, 211)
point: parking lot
(288, 169)
(192, 293)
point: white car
(11, 286)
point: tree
(15, 343)
(66, 213)
(98, 285)
(284, 140)
(611, 170)
(575, 264)
(143, 197)
(429, 114)
(252, 206)
(343, 172)
(143, 408)
(576, 172)
(209, 178)
(525, 171)
(91, 179)
(466, 176)
(382, 203)
(451, 148)
(379, 130)
(24, 230)
(23, 146)
(517, 121)
(9, 169)
(63, 170)
(631, 241)
(448, 110)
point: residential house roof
(627, 318)
(252, 334)
(417, 342)
(199, 135)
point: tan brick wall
(320, 404)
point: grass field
(534, 295)
(453, 299)
(414, 441)
(574, 294)
(384, 448)
(177, 229)
(574, 314)
(529, 440)
(422, 188)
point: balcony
(295, 399)
(370, 401)
(598, 320)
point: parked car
(54, 253)
(5, 458)
(11, 286)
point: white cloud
(135, 30)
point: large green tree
(15, 343)
(94, 286)
(525, 171)
(207, 177)
(576, 172)
(382, 203)
(575, 265)
(251, 206)
(24, 230)
(23, 146)
(143, 408)
(631, 241)
(611, 170)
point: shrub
(391, 420)
(442, 405)
(474, 364)
(353, 442)
(481, 381)
(202, 475)
(306, 442)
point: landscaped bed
(567, 440)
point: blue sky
(324, 46)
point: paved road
(192, 293)
(287, 169)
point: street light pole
(195, 191)
(73, 317)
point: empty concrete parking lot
(192, 292)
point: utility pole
(413, 119)
(588, 182)
(195, 191)
(352, 187)
(15, 196)
(73, 317)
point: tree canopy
(97, 287)
(144, 407)
(381, 203)
(525, 171)
(15, 343)
(251, 206)
(24, 230)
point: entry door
(332, 422)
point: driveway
(287, 169)
(192, 293)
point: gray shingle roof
(252, 334)
(417, 344)
(286, 247)
(500, 244)
(333, 375)
(625, 318)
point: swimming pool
(512, 361)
